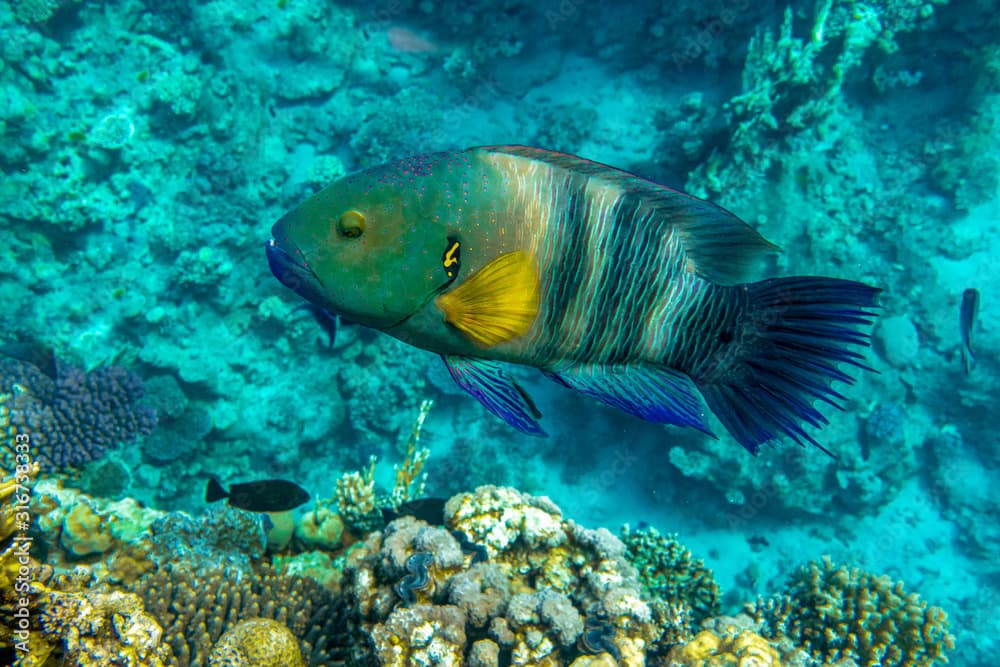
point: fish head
(364, 248)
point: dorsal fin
(722, 247)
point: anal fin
(487, 381)
(654, 393)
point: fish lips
(293, 273)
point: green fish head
(363, 248)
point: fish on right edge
(622, 289)
(967, 322)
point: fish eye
(351, 224)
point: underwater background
(148, 147)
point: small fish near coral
(627, 291)
(266, 495)
(967, 322)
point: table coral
(257, 642)
(77, 417)
(841, 613)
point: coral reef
(669, 572)
(547, 583)
(708, 649)
(356, 498)
(356, 501)
(145, 143)
(78, 416)
(197, 604)
(87, 526)
(94, 627)
(841, 613)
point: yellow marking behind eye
(449, 255)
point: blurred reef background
(146, 149)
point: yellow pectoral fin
(497, 303)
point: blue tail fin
(789, 342)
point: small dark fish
(967, 322)
(758, 543)
(266, 495)
(430, 510)
(37, 354)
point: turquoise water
(147, 149)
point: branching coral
(13, 520)
(669, 572)
(198, 605)
(77, 417)
(356, 497)
(794, 83)
(840, 613)
(410, 482)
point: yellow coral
(83, 525)
(12, 557)
(281, 531)
(257, 642)
(100, 628)
(356, 492)
(707, 649)
(320, 528)
(409, 482)
(600, 660)
(84, 533)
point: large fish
(620, 288)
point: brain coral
(257, 642)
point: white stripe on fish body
(676, 286)
(539, 197)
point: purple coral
(77, 417)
